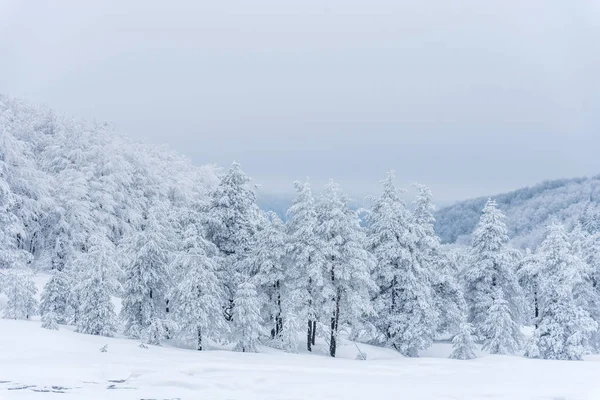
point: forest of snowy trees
(191, 256)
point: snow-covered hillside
(528, 210)
(37, 363)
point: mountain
(528, 210)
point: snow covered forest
(529, 211)
(188, 254)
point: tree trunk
(536, 306)
(309, 336)
(310, 332)
(314, 332)
(199, 345)
(335, 319)
(278, 318)
(392, 307)
(228, 311)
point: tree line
(225, 271)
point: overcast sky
(469, 97)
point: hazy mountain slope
(528, 210)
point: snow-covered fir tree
(501, 332)
(437, 265)
(348, 265)
(247, 323)
(265, 264)
(148, 254)
(20, 291)
(406, 313)
(564, 328)
(463, 343)
(158, 330)
(10, 226)
(197, 298)
(590, 218)
(577, 239)
(288, 339)
(305, 269)
(490, 266)
(50, 321)
(528, 270)
(586, 247)
(55, 297)
(231, 220)
(96, 312)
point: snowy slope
(528, 210)
(35, 360)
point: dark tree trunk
(310, 332)
(334, 318)
(167, 330)
(278, 318)
(536, 308)
(228, 311)
(334, 326)
(314, 332)
(309, 336)
(393, 305)
(199, 345)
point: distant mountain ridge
(528, 210)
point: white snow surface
(33, 360)
(36, 363)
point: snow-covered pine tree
(247, 323)
(20, 291)
(528, 270)
(564, 328)
(197, 298)
(584, 247)
(577, 239)
(146, 272)
(463, 343)
(26, 187)
(230, 219)
(72, 221)
(74, 272)
(304, 273)
(348, 265)
(158, 330)
(437, 265)
(406, 314)
(10, 226)
(490, 266)
(50, 321)
(288, 339)
(96, 315)
(55, 297)
(590, 218)
(501, 332)
(588, 293)
(13, 254)
(265, 264)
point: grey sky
(470, 97)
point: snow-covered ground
(37, 364)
